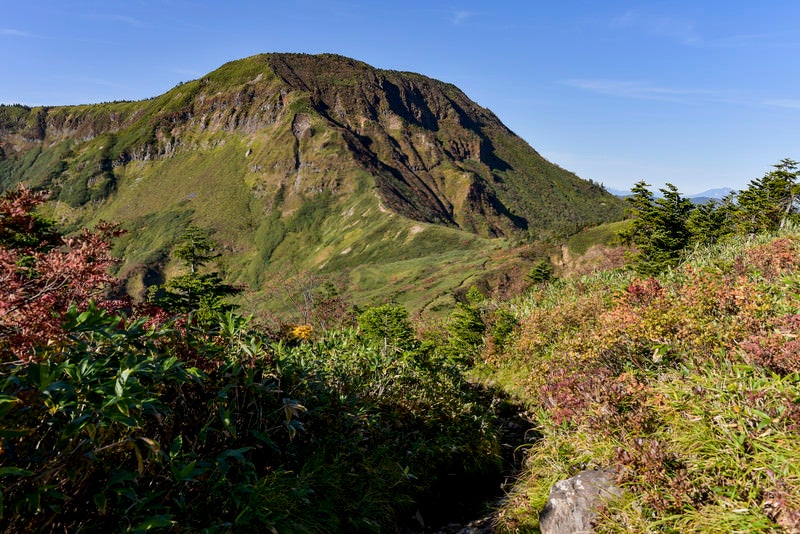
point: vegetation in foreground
(682, 375)
(686, 384)
(120, 419)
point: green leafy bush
(116, 423)
(114, 428)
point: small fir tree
(771, 201)
(389, 325)
(712, 221)
(541, 273)
(467, 327)
(201, 294)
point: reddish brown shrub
(646, 463)
(643, 292)
(777, 347)
(42, 274)
(775, 258)
(595, 397)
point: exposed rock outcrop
(573, 503)
(434, 155)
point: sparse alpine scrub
(685, 383)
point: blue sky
(701, 93)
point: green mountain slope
(303, 162)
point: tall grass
(685, 384)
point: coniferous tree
(195, 248)
(542, 272)
(467, 327)
(771, 201)
(201, 294)
(389, 325)
(710, 222)
(659, 229)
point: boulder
(573, 503)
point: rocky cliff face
(434, 155)
(319, 161)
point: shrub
(43, 274)
(388, 325)
(685, 383)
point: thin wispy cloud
(10, 32)
(93, 81)
(757, 40)
(188, 72)
(790, 103)
(120, 19)
(676, 29)
(458, 17)
(642, 90)
(130, 21)
(638, 90)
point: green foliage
(73, 424)
(659, 229)
(398, 418)
(467, 328)
(195, 248)
(770, 202)
(541, 272)
(663, 228)
(203, 295)
(388, 325)
(504, 324)
(113, 429)
(710, 222)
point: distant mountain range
(718, 193)
(698, 198)
(318, 162)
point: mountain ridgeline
(316, 161)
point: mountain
(698, 198)
(718, 193)
(711, 194)
(318, 162)
(619, 192)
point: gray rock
(573, 503)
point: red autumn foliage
(776, 258)
(778, 347)
(43, 273)
(643, 292)
(655, 466)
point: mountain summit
(318, 160)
